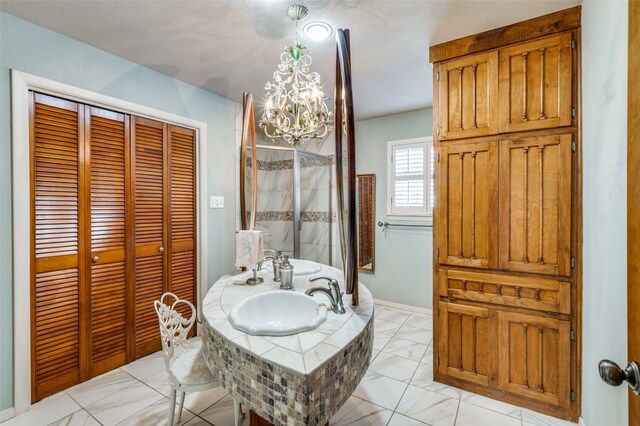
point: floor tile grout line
(491, 409)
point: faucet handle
(331, 281)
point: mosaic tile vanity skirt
(300, 379)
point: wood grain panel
(535, 84)
(535, 204)
(534, 357)
(108, 325)
(515, 33)
(468, 96)
(56, 331)
(56, 176)
(149, 205)
(464, 331)
(149, 181)
(106, 159)
(633, 200)
(541, 294)
(468, 194)
(182, 183)
(56, 275)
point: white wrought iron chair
(187, 370)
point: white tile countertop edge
(302, 352)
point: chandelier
(295, 109)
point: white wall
(403, 256)
(32, 49)
(604, 92)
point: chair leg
(172, 406)
(181, 405)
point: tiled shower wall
(275, 203)
(319, 237)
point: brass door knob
(161, 249)
(95, 258)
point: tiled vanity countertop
(289, 380)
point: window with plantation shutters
(410, 193)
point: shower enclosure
(294, 206)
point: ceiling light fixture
(317, 30)
(295, 109)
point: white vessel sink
(301, 267)
(277, 313)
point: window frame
(429, 180)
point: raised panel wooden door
(463, 349)
(148, 146)
(56, 249)
(535, 84)
(106, 159)
(534, 357)
(468, 190)
(468, 96)
(535, 204)
(182, 184)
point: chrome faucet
(256, 279)
(333, 293)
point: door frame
(21, 84)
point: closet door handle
(95, 258)
(161, 249)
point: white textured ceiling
(232, 46)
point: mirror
(248, 165)
(366, 193)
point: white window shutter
(410, 181)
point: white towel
(249, 249)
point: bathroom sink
(301, 267)
(277, 313)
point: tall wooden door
(148, 166)
(633, 199)
(113, 227)
(610, 372)
(57, 252)
(507, 228)
(182, 182)
(106, 169)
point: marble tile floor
(398, 390)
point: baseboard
(403, 307)
(7, 413)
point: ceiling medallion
(295, 109)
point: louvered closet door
(183, 213)
(148, 167)
(106, 159)
(56, 269)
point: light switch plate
(216, 202)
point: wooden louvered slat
(55, 165)
(108, 153)
(56, 332)
(107, 316)
(56, 127)
(148, 144)
(183, 213)
(149, 287)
